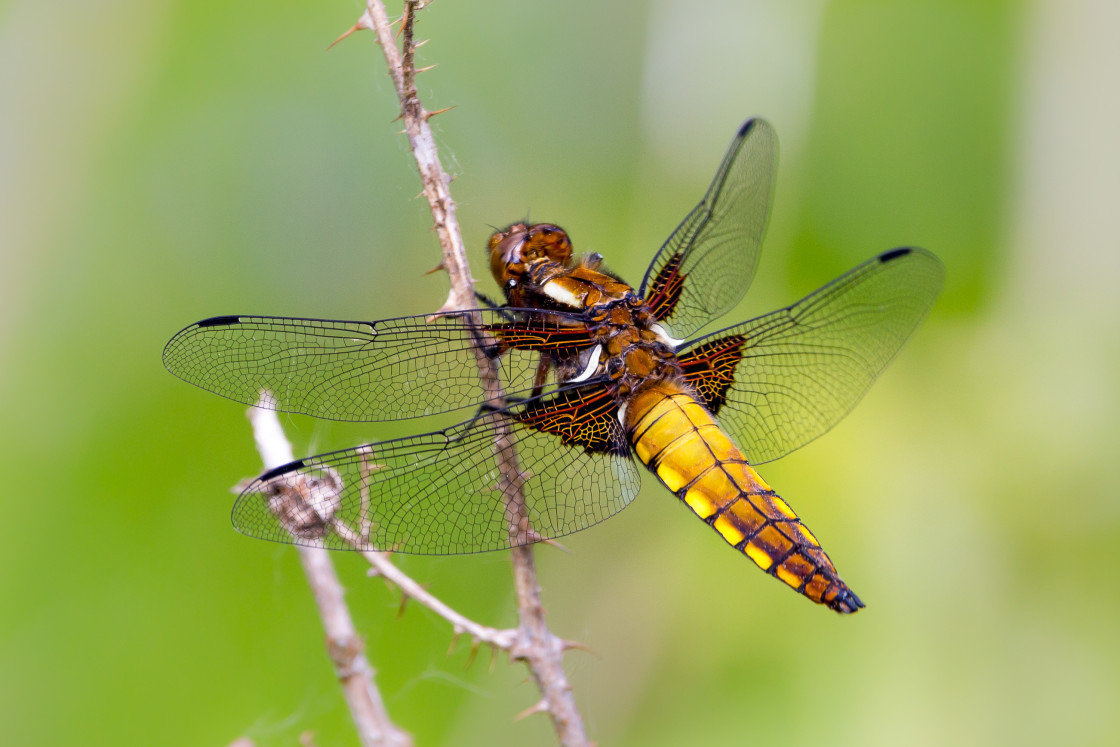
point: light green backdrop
(161, 162)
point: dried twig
(535, 643)
(504, 639)
(342, 640)
(345, 647)
(422, 144)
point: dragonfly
(589, 378)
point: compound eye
(546, 241)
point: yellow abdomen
(680, 442)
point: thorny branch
(533, 642)
(343, 642)
(344, 645)
(410, 589)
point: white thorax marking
(622, 413)
(662, 335)
(592, 365)
(561, 295)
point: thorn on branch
(427, 68)
(557, 545)
(346, 33)
(437, 112)
(404, 20)
(567, 645)
(539, 707)
(436, 269)
(475, 643)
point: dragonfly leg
(541, 376)
(490, 303)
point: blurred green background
(161, 162)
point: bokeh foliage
(168, 161)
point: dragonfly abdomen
(680, 442)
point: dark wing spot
(219, 321)
(894, 254)
(282, 470)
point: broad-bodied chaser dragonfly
(592, 374)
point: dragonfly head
(515, 249)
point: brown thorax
(534, 266)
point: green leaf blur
(163, 162)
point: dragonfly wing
(781, 380)
(367, 371)
(707, 264)
(442, 493)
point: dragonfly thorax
(630, 351)
(535, 267)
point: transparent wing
(442, 493)
(781, 380)
(366, 371)
(708, 263)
